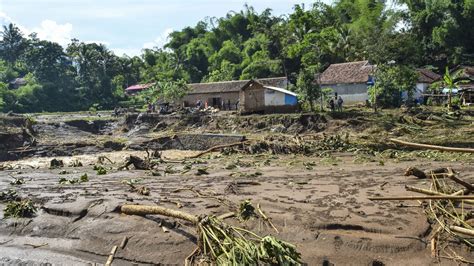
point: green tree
(308, 89)
(390, 82)
(12, 43)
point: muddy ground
(314, 188)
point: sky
(126, 27)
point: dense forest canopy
(241, 45)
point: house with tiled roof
(349, 80)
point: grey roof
(233, 86)
(19, 82)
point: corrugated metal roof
(281, 90)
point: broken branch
(431, 147)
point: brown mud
(316, 199)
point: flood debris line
(222, 243)
(431, 147)
(450, 210)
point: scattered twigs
(429, 197)
(217, 148)
(111, 256)
(266, 219)
(446, 208)
(431, 147)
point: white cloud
(160, 41)
(52, 31)
(98, 42)
(5, 20)
(128, 51)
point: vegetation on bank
(241, 45)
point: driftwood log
(144, 210)
(431, 147)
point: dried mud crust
(324, 211)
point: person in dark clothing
(332, 105)
(339, 104)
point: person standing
(340, 101)
(331, 105)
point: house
(17, 83)
(225, 94)
(425, 78)
(256, 97)
(349, 80)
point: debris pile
(450, 210)
(225, 244)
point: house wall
(277, 98)
(190, 99)
(350, 93)
(274, 98)
(252, 99)
(419, 90)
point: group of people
(336, 103)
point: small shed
(256, 97)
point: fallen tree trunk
(144, 210)
(429, 197)
(217, 148)
(431, 147)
